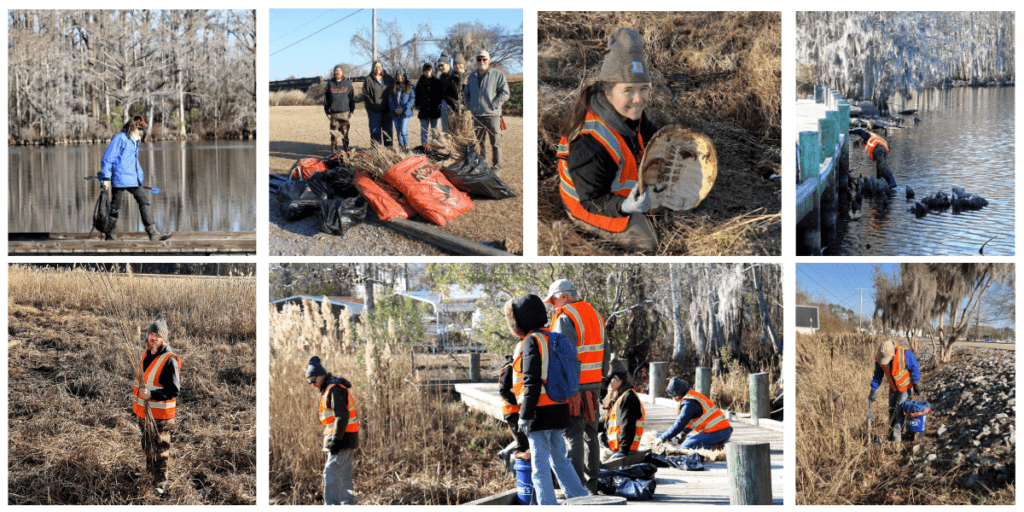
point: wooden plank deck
(675, 487)
(199, 243)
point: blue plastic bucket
(917, 424)
(524, 481)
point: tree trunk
(771, 343)
(678, 336)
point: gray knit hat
(315, 368)
(676, 387)
(625, 62)
(159, 327)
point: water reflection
(204, 186)
(965, 139)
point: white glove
(105, 185)
(636, 202)
(524, 426)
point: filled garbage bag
(428, 191)
(305, 168)
(337, 215)
(690, 462)
(629, 488)
(383, 198)
(101, 219)
(298, 200)
(473, 175)
(644, 471)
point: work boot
(155, 235)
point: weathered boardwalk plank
(201, 243)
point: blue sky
(840, 283)
(319, 53)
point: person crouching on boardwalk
(337, 414)
(624, 414)
(697, 413)
(157, 392)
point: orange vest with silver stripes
(711, 420)
(896, 371)
(161, 409)
(873, 141)
(615, 427)
(329, 420)
(625, 177)
(506, 408)
(590, 338)
(518, 386)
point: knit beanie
(159, 327)
(625, 61)
(676, 387)
(886, 351)
(315, 368)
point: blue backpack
(563, 367)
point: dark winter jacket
(691, 410)
(337, 400)
(630, 411)
(593, 169)
(505, 385)
(339, 97)
(452, 90)
(428, 97)
(376, 93)
(548, 417)
(169, 379)
(120, 163)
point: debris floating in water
(959, 200)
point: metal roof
(353, 308)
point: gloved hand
(399, 111)
(524, 426)
(617, 456)
(913, 390)
(636, 202)
(105, 185)
(657, 441)
(143, 393)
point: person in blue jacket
(120, 170)
(402, 99)
(715, 429)
(899, 367)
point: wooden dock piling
(657, 380)
(703, 381)
(750, 473)
(474, 367)
(760, 405)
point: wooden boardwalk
(200, 243)
(675, 487)
(820, 144)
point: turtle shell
(678, 169)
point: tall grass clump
(75, 338)
(414, 446)
(289, 98)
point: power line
(823, 287)
(315, 33)
(325, 13)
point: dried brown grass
(72, 436)
(415, 448)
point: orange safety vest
(327, 418)
(162, 409)
(615, 429)
(896, 371)
(590, 339)
(518, 386)
(625, 177)
(873, 141)
(507, 409)
(712, 420)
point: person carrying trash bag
(878, 151)
(697, 413)
(541, 418)
(121, 171)
(624, 414)
(898, 366)
(337, 413)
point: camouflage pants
(339, 126)
(157, 448)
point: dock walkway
(675, 487)
(199, 243)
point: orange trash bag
(305, 168)
(383, 198)
(428, 191)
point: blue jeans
(380, 124)
(706, 441)
(547, 452)
(444, 117)
(338, 479)
(425, 126)
(896, 416)
(402, 131)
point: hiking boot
(155, 235)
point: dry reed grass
(834, 463)
(289, 98)
(415, 448)
(72, 436)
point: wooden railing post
(827, 128)
(702, 383)
(750, 473)
(657, 380)
(474, 367)
(844, 125)
(760, 405)
(819, 93)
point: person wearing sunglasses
(486, 92)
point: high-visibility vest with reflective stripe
(590, 338)
(873, 141)
(518, 386)
(327, 418)
(506, 408)
(712, 419)
(615, 427)
(625, 176)
(161, 409)
(896, 371)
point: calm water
(204, 186)
(965, 139)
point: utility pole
(861, 321)
(374, 35)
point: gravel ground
(301, 132)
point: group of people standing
(391, 99)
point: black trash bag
(101, 219)
(631, 489)
(338, 215)
(342, 181)
(473, 175)
(691, 462)
(299, 200)
(643, 471)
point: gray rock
(972, 480)
(931, 457)
(942, 431)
